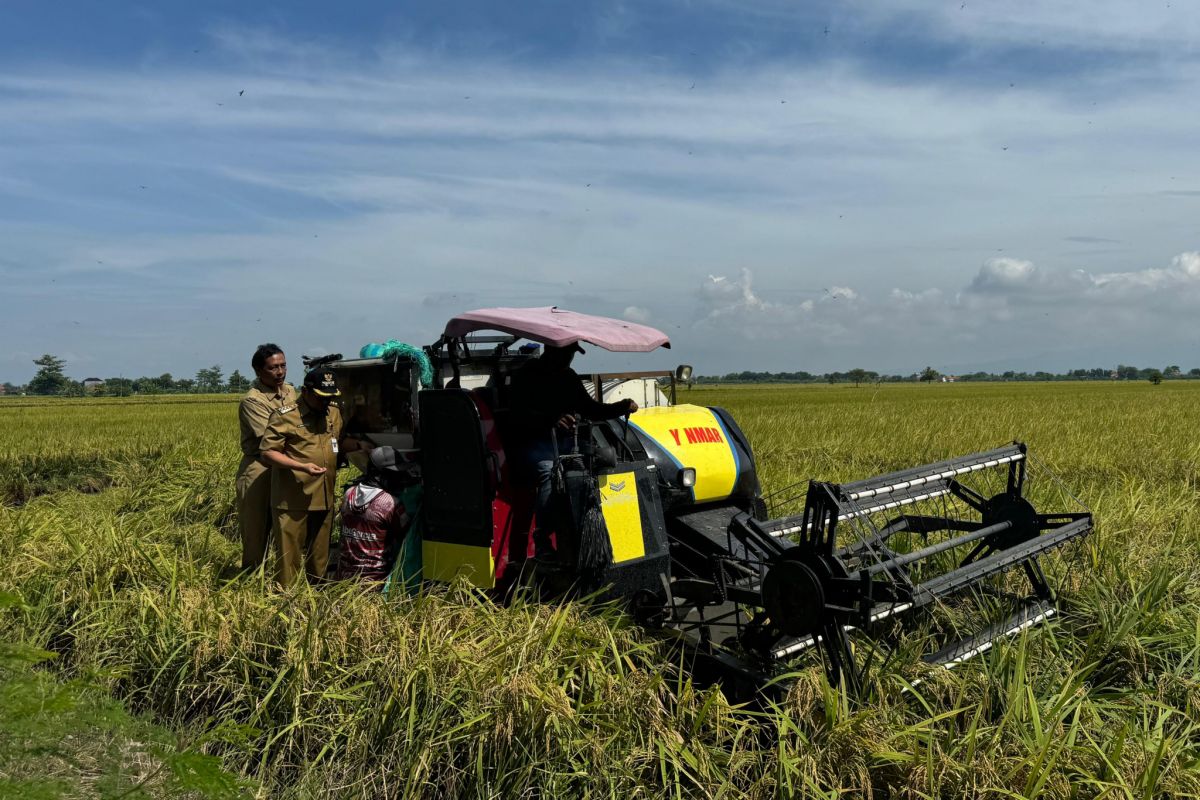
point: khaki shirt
(255, 409)
(301, 432)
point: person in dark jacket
(546, 400)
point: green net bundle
(394, 349)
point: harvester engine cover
(706, 440)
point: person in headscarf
(374, 519)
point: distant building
(92, 384)
(949, 378)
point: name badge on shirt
(335, 446)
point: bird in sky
(242, 92)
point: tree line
(51, 379)
(1122, 372)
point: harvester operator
(301, 443)
(547, 398)
(269, 391)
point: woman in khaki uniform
(269, 392)
(301, 443)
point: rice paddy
(119, 539)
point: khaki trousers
(301, 541)
(255, 514)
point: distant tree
(186, 385)
(859, 376)
(239, 384)
(1127, 373)
(49, 378)
(11, 388)
(1154, 376)
(1194, 372)
(929, 374)
(1172, 371)
(118, 387)
(209, 380)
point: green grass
(338, 693)
(66, 740)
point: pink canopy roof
(559, 328)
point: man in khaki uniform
(301, 443)
(269, 392)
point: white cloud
(1001, 277)
(636, 314)
(725, 297)
(1067, 24)
(1004, 275)
(1182, 273)
(907, 299)
(1009, 302)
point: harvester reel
(1012, 509)
(797, 589)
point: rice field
(119, 542)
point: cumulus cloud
(1182, 273)
(724, 297)
(1004, 275)
(1010, 308)
(733, 307)
(1001, 278)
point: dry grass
(339, 693)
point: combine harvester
(694, 551)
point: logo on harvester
(617, 487)
(697, 436)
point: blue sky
(777, 185)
